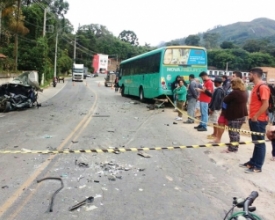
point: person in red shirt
(204, 98)
(258, 119)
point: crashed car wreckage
(21, 93)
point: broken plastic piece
(50, 209)
(143, 154)
(84, 202)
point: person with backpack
(258, 119)
(215, 106)
(235, 112)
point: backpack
(271, 101)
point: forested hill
(241, 31)
(238, 33)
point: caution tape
(121, 150)
(217, 126)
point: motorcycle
(18, 97)
(54, 81)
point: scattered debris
(174, 142)
(117, 151)
(50, 209)
(105, 189)
(141, 169)
(15, 146)
(79, 178)
(175, 123)
(81, 187)
(64, 175)
(110, 130)
(169, 178)
(136, 118)
(26, 150)
(112, 178)
(126, 168)
(5, 187)
(74, 142)
(96, 181)
(84, 202)
(135, 103)
(140, 189)
(207, 152)
(90, 208)
(143, 154)
(47, 136)
(81, 164)
(98, 196)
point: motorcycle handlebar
(249, 201)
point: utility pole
(74, 48)
(16, 34)
(45, 19)
(226, 68)
(55, 55)
(0, 20)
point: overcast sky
(154, 21)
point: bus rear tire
(141, 94)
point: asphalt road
(172, 184)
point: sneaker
(246, 165)
(202, 129)
(178, 119)
(197, 127)
(253, 170)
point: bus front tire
(122, 91)
(141, 94)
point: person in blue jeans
(205, 97)
(258, 119)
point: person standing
(222, 121)
(192, 96)
(257, 119)
(215, 106)
(174, 85)
(181, 92)
(226, 84)
(236, 111)
(270, 134)
(204, 98)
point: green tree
(252, 46)
(211, 40)
(129, 37)
(261, 59)
(227, 45)
(192, 40)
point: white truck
(78, 72)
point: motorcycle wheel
(7, 106)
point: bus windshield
(78, 70)
(184, 56)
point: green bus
(151, 74)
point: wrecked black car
(19, 94)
